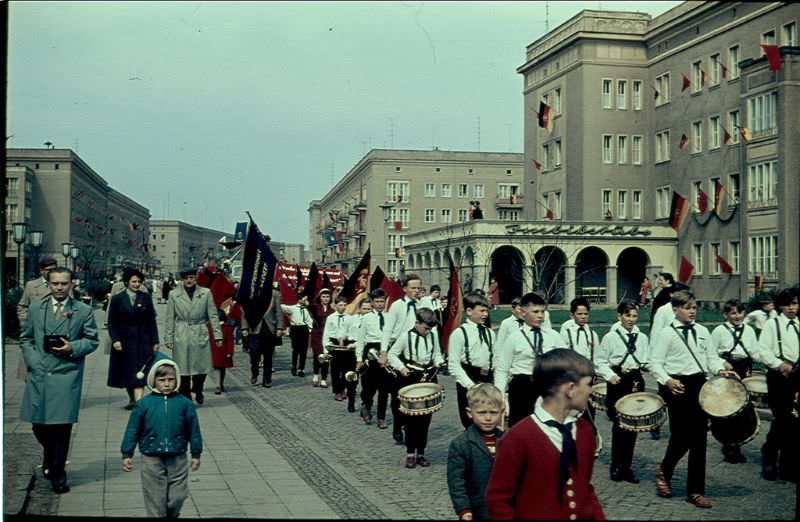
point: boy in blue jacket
(163, 424)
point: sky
(203, 110)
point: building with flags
(389, 194)
(648, 141)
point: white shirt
(336, 327)
(508, 325)
(400, 319)
(771, 348)
(664, 317)
(540, 416)
(669, 355)
(434, 304)
(298, 316)
(370, 330)
(722, 340)
(614, 349)
(54, 302)
(422, 350)
(475, 353)
(516, 356)
(758, 318)
(583, 340)
(354, 325)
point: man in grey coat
(189, 309)
(59, 333)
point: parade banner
(312, 286)
(455, 307)
(393, 290)
(258, 272)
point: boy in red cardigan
(543, 467)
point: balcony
(517, 202)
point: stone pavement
(293, 452)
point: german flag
(685, 270)
(678, 211)
(773, 56)
(703, 201)
(393, 290)
(545, 116)
(724, 266)
(719, 196)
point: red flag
(726, 136)
(686, 83)
(685, 270)
(545, 119)
(455, 307)
(550, 215)
(537, 165)
(312, 286)
(398, 225)
(393, 290)
(655, 93)
(703, 203)
(358, 282)
(678, 211)
(683, 142)
(719, 196)
(724, 266)
(724, 70)
(773, 56)
(287, 289)
(222, 289)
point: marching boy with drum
(622, 356)
(417, 355)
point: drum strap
(686, 343)
(536, 352)
(488, 343)
(737, 341)
(588, 333)
(416, 347)
(630, 344)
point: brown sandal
(662, 484)
(698, 500)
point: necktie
(413, 304)
(339, 322)
(482, 335)
(380, 320)
(582, 330)
(303, 315)
(59, 304)
(793, 325)
(686, 329)
(520, 322)
(569, 455)
(537, 340)
(631, 342)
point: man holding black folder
(59, 333)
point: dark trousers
(191, 384)
(688, 426)
(343, 361)
(416, 426)
(54, 439)
(376, 379)
(320, 369)
(397, 418)
(521, 398)
(262, 346)
(623, 442)
(299, 336)
(475, 374)
(785, 429)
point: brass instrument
(324, 358)
(351, 376)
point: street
(293, 452)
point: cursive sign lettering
(578, 230)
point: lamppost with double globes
(19, 231)
(74, 252)
(37, 240)
(65, 251)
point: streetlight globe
(65, 249)
(74, 252)
(37, 238)
(19, 231)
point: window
(733, 62)
(636, 150)
(508, 172)
(447, 216)
(438, 169)
(463, 190)
(478, 190)
(697, 258)
(556, 204)
(391, 265)
(636, 211)
(404, 217)
(733, 126)
(697, 187)
(733, 256)
(154, 237)
(763, 255)
(430, 190)
(508, 215)
(607, 156)
(714, 138)
(768, 38)
(397, 191)
(11, 213)
(714, 258)
(621, 203)
(606, 94)
(637, 95)
(470, 171)
(697, 76)
(697, 137)
(430, 215)
(761, 114)
(447, 190)
(662, 146)
(622, 94)
(662, 89)
(397, 169)
(27, 213)
(462, 215)
(715, 66)
(662, 202)
(506, 190)
(546, 157)
(557, 100)
(789, 34)
(12, 185)
(28, 186)
(734, 190)
(606, 208)
(622, 149)
(557, 155)
(762, 180)
(390, 216)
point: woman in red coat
(494, 293)
(543, 467)
(222, 358)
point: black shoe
(624, 476)
(733, 455)
(351, 408)
(301, 373)
(267, 385)
(398, 437)
(769, 472)
(294, 372)
(60, 486)
(130, 405)
(254, 380)
(199, 397)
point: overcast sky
(200, 111)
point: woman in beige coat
(189, 308)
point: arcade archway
(631, 270)
(548, 273)
(590, 275)
(507, 269)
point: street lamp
(65, 251)
(74, 252)
(19, 231)
(387, 216)
(37, 240)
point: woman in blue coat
(134, 335)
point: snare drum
(733, 418)
(598, 397)
(421, 399)
(756, 385)
(641, 411)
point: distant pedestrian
(166, 286)
(59, 333)
(134, 335)
(644, 291)
(230, 315)
(494, 293)
(35, 290)
(163, 424)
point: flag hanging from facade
(537, 165)
(550, 215)
(393, 290)
(678, 211)
(685, 270)
(683, 142)
(773, 56)
(719, 196)
(703, 201)
(744, 132)
(455, 307)
(686, 83)
(545, 119)
(726, 136)
(258, 272)
(724, 266)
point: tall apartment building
(390, 194)
(71, 203)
